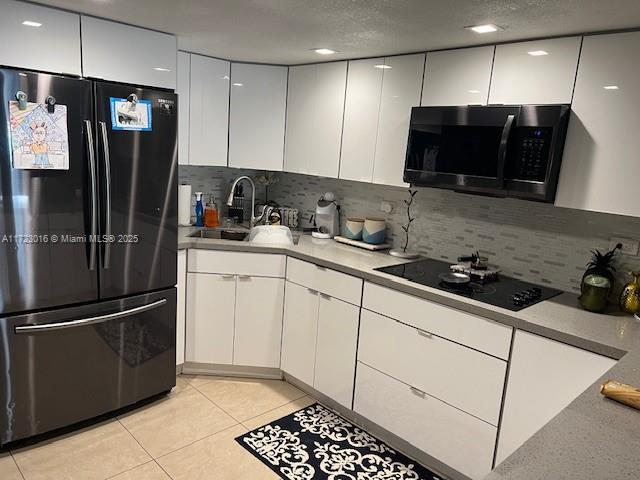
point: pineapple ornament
(598, 280)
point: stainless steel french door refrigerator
(87, 258)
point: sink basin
(236, 234)
(276, 235)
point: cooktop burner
(501, 291)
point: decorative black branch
(410, 219)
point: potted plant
(598, 279)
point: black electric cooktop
(503, 291)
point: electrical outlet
(386, 207)
(629, 246)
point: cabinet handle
(424, 333)
(418, 392)
(244, 277)
(312, 291)
(228, 277)
(325, 296)
(321, 268)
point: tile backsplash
(533, 241)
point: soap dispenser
(199, 210)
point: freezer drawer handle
(107, 184)
(83, 322)
(94, 197)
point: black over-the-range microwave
(511, 151)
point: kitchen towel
(184, 205)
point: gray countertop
(593, 438)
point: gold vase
(630, 296)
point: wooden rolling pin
(621, 393)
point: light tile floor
(187, 435)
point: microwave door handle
(502, 151)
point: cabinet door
(600, 168)
(54, 46)
(336, 349)
(208, 111)
(401, 87)
(210, 318)
(181, 306)
(257, 116)
(299, 332)
(184, 79)
(361, 110)
(114, 51)
(544, 377)
(538, 72)
(315, 107)
(258, 325)
(457, 77)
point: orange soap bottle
(211, 219)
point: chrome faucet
(254, 219)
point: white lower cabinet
(300, 331)
(453, 437)
(258, 321)
(320, 336)
(544, 377)
(181, 306)
(210, 318)
(336, 349)
(439, 367)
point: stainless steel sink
(234, 234)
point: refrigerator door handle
(94, 197)
(107, 176)
(83, 322)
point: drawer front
(443, 369)
(461, 327)
(237, 263)
(459, 440)
(324, 280)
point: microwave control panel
(529, 158)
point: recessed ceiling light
(488, 28)
(383, 66)
(473, 91)
(237, 84)
(611, 87)
(538, 53)
(324, 51)
(161, 69)
(31, 23)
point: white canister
(353, 228)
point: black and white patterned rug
(316, 443)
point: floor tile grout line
(129, 470)
(214, 403)
(136, 440)
(273, 409)
(15, 462)
(196, 441)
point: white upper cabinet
(182, 89)
(53, 46)
(208, 111)
(401, 87)
(457, 77)
(122, 53)
(361, 111)
(600, 168)
(315, 107)
(257, 116)
(537, 72)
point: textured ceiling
(283, 31)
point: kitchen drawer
(324, 280)
(461, 441)
(237, 263)
(441, 368)
(461, 327)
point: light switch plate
(629, 246)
